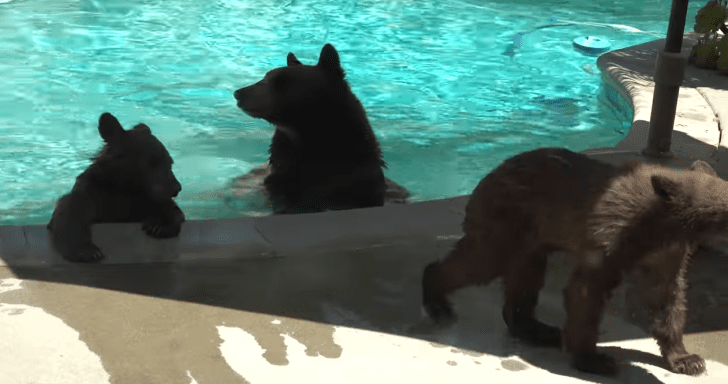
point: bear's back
(547, 193)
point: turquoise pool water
(447, 94)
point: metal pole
(669, 73)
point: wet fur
(639, 218)
(130, 180)
(323, 155)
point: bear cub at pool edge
(130, 180)
(323, 155)
(641, 218)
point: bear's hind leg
(668, 324)
(470, 263)
(522, 284)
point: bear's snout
(242, 99)
(168, 189)
(177, 188)
(255, 100)
(238, 94)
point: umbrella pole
(669, 73)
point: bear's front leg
(585, 298)
(165, 221)
(668, 324)
(70, 230)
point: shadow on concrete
(378, 289)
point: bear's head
(696, 196)
(300, 95)
(133, 161)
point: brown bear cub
(324, 155)
(130, 180)
(641, 218)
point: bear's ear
(702, 167)
(329, 59)
(665, 187)
(291, 60)
(109, 127)
(142, 128)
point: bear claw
(441, 313)
(687, 364)
(89, 254)
(161, 231)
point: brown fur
(130, 180)
(613, 220)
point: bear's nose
(177, 189)
(237, 94)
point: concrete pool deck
(702, 110)
(335, 297)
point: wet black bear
(324, 155)
(130, 180)
(641, 218)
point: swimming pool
(451, 87)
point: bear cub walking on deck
(130, 180)
(641, 218)
(324, 155)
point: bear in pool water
(324, 154)
(130, 180)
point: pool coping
(628, 70)
(247, 237)
(702, 105)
